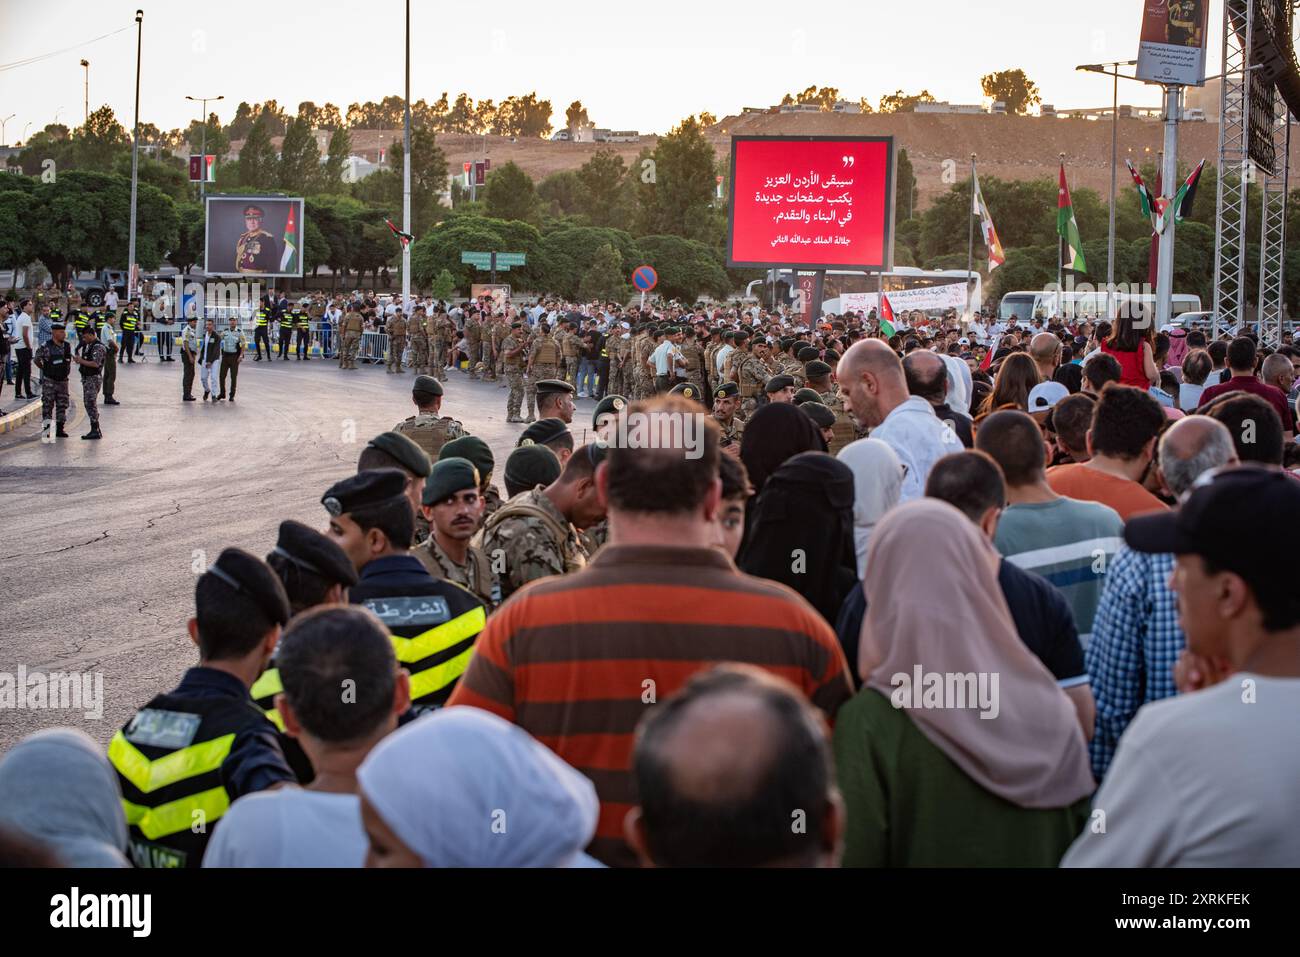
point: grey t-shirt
(1207, 779)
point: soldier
(491, 348)
(819, 380)
(543, 363)
(396, 341)
(453, 508)
(350, 339)
(261, 331)
(427, 428)
(779, 388)
(302, 326)
(256, 251)
(535, 534)
(393, 450)
(693, 353)
(570, 342)
(474, 449)
(555, 400)
(102, 322)
(440, 342)
(512, 348)
(54, 359)
(473, 341)
(418, 334)
(726, 400)
(90, 356)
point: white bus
(1026, 304)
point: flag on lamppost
(979, 208)
(1068, 229)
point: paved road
(101, 540)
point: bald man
(875, 387)
(1045, 350)
(719, 767)
(927, 377)
(1277, 371)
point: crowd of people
(812, 595)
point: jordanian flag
(1144, 195)
(289, 261)
(886, 316)
(403, 238)
(1068, 229)
(1187, 194)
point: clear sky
(637, 66)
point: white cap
(1045, 395)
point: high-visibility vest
(81, 319)
(263, 317)
(168, 760)
(302, 320)
(129, 320)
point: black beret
(412, 458)
(832, 355)
(427, 384)
(806, 354)
(741, 335)
(778, 382)
(786, 344)
(250, 576)
(372, 487)
(816, 368)
(314, 552)
(822, 416)
(530, 466)
(553, 387)
(801, 344)
(806, 395)
(473, 448)
(449, 476)
(610, 405)
(727, 390)
(542, 431)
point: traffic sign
(481, 260)
(505, 260)
(645, 278)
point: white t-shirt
(110, 299)
(23, 321)
(1207, 779)
(289, 827)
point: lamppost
(2, 127)
(135, 158)
(86, 64)
(406, 179)
(203, 148)
(1114, 73)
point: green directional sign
(510, 259)
(481, 260)
(493, 261)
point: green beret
(473, 448)
(806, 395)
(816, 368)
(250, 576)
(778, 382)
(822, 416)
(727, 390)
(449, 476)
(542, 431)
(427, 384)
(530, 466)
(806, 354)
(554, 387)
(801, 344)
(610, 405)
(403, 448)
(372, 487)
(688, 391)
(313, 552)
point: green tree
(900, 102)
(336, 158)
(444, 286)
(461, 116)
(257, 162)
(562, 194)
(522, 116)
(428, 175)
(605, 200)
(575, 117)
(440, 249)
(676, 193)
(217, 142)
(511, 194)
(19, 211)
(242, 122)
(603, 279)
(565, 254)
(1013, 88)
(905, 191)
(165, 176)
(824, 97)
(99, 141)
(299, 168)
(686, 268)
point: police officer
(453, 507)
(130, 325)
(185, 756)
(392, 450)
(90, 357)
(54, 359)
(433, 623)
(286, 334)
(233, 345)
(302, 326)
(103, 323)
(427, 428)
(261, 331)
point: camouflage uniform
(349, 339)
(532, 539)
(843, 431)
(396, 343)
(618, 358)
(92, 352)
(475, 575)
(694, 356)
(430, 432)
(732, 431)
(569, 343)
(543, 360)
(54, 360)
(419, 337)
(751, 375)
(492, 350)
(788, 365)
(473, 344)
(514, 377)
(441, 342)
(491, 503)
(643, 385)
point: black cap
(553, 386)
(686, 390)
(1232, 518)
(427, 384)
(807, 395)
(473, 448)
(530, 466)
(831, 355)
(449, 476)
(365, 488)
(778, 382)
(542, 431)
(822, 416)
(314, 552)
(806, 354)
(403, 448)
(726, 390)
(610, 405)
(249, 575)
(816, 368)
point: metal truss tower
(1235, 169)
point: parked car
(94, 290)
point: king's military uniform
(255, 250)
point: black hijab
(775, 433)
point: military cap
(610, 405)
(816, 368)
(806, 354)
(253, 210)
(541, 432)
(530, 466)
(515, 325)
(412, 458)
(778, 382)
(727, 390)
(741, 335)
(728, 334)
(427, 384)
(688, 391)
(832, 355)
(554, 387)
(250, 576)
(822, 416)
(786, 343)
(449, 476)
(801, 344)
(372, 487)
(473, 448)
(313, 552)
(806, 395)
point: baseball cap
(1045, 395)
(1231, 518)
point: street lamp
(203, 168)
(26, 127)
(2, 127)
(1114, 73)
(135, 159)
(86, 64)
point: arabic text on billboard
(1172, 47)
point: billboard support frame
(254, 197)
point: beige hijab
(935, 602)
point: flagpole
(970, 236)
(1165, 274)
(406, 178)
(1060, 259)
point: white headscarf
(877, 484)
(959, 384)
(464, 788)
(58, 788)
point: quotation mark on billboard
(847, 160)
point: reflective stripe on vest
(263, 693)
(149, 776)
(439, 638)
